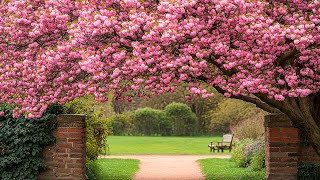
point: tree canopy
(265, 52)
(57, 50)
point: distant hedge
(150, 121)
(176, 119)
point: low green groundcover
(112, 169)
(21, 143)
(309, 172)
(225, 169)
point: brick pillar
(67, 156)
(281, 148)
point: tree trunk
(305, 115)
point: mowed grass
(130, 145)
(112, 169)
(225, 169)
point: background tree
(263, 52)
(200, 106)
(184, 121)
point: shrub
(251, 148)
(96, 124)
(237, 153)
(309, 171)
(258, 161)
(150, 121)
(250, 153)
(183, 119)
(122, 124)
(22, 141)
(165, 124)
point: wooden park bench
(226, 143)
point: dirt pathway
(168, 167)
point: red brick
(62, 135)
(74, 165)
(274, 130)
(290, 130)
(60, 150)
(64, 170)
(75, 130)
(288, 149)
(62, 129)
(63, 155)
(75, 140)
(61, 165)
(275, 139)
(291, 140)
(64, 145)
(78, 170)
(75, 155)
(292, 134)
(283, 164)
(77, 145)
(279, 154)
(291, 170)
(274, 149)
(76, 135)
(277, 134)
(75, 150)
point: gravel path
(168, 167)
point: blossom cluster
(52, 51)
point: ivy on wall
(21, 143)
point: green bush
(96, 124)
(122, 124)
(309, 171)
(22, 141)
(237, 153)
(257, 162)
(150, 121)
(250, 153)
(183, 119)
(165, 124)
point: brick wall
(283, 148)
(66, 158)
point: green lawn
(225, 169)
(128, 145)
(112, 169)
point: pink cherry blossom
(55, 51)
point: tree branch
(287, 56)
(259, 103)
(229, 73)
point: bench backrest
(227, 139)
